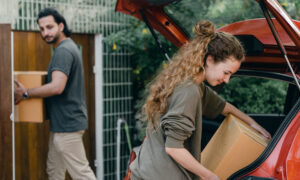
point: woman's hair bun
(204, 28)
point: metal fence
(117, 95)
(95, 17)
(83, 16)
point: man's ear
(61, 27)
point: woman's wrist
(209, 175)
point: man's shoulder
(68, 45)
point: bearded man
(65, 100)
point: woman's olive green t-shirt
(180, 127)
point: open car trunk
(266, 58)
(255, 34)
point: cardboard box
(234, 146)
(32, 109)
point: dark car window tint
(256, 95)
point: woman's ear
(210, 60)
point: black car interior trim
(265, 74)
(251, 44)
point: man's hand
(19, 90)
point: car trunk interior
(275, 124)
(271, 122)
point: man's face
(50, 30)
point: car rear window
(256, 95)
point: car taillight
(132, 157)
(293, 159)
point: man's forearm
(55, 87)
(46, 90)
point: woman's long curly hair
(188, 62)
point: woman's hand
(186, 160)
(229, 108)
(212, 177)
(261, 130)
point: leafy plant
(147, 57)
(255, 95)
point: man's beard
(53, 40)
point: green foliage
(147, 57)
(220, 12)
(292, 7)
(254, 95)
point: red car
(272, 52)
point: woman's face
(217, 73)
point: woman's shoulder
(189, 87)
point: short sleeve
(62, 60)
(178, 123)
(212, 104)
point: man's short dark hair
(57, 17)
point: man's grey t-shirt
(67, 111)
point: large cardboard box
(233, 146)
(32, 109)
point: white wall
(7, 12)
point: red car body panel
(293, 159)
(284, 160)
(271, 54)
(285, 20)
(158, 19)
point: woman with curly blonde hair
(178, 99)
